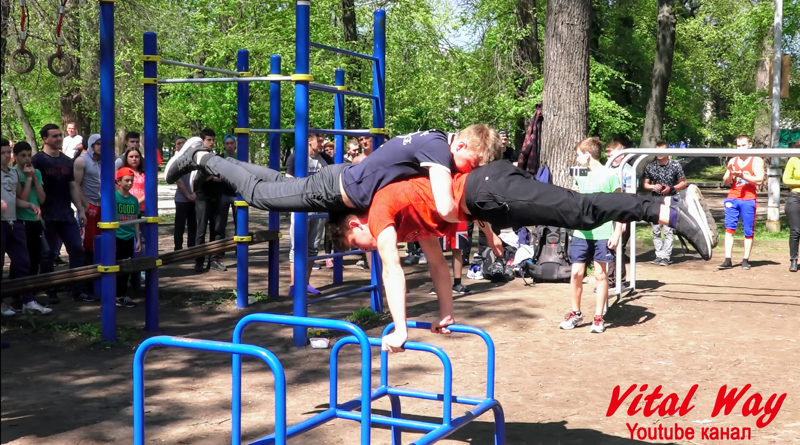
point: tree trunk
(762, 133)
(530, 62)
(71, 97)
(353, 66)
(22, 116)
(662, 71)
(5, 9)
(565, 101)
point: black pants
(33, 238)
(226, 207)
(792, 208)
(505, 196)
(124, 251)
(207, 208)
(268, 189)
(185, 220)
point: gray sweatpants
(663, 247)
(267, 189)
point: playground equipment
(434, 431)
(58, 63)
(641, 154)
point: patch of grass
(53, 325)
(365, 316)
(256, 297)
(321, 333)
(707, 173)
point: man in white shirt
(73, 142)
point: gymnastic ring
(66, 65)
(22, 69)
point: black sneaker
(217, 265)
(693, 225)
(57, 261)
(656, 262)
(745, 264)
(125, 301)
(460, 289)
(792, 265)
(725, 265)
(83, 296)
(183, 162)
(664, 262)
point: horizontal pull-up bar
(342, 132)
(229, 79)
(336, 90)
(198, 67)
(273, 130)
(343, 51)
(700, 152)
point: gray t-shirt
(315, 164)
(9, 181)
(91, 180)
(178, 195)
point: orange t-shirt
(409, 207)
(741, 189)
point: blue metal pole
(108, 208)
(150, 181)
(379, 75)
(275, 164)
(302, 39)
(338, 124)
(242, 153)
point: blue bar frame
(338, 157)
(237, 350)
(273, 285)
(108, 208)
(342, 51)
(242, 154)
(150, 48)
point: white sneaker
(7, 311)
(32, 307)
(422, 259)
(598, 325)
(571, 321)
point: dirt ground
(687, 324)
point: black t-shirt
(403, 157)
(57, 173)
(669, 174)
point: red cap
(124, 171)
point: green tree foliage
(449, 64)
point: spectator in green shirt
(127, 235)
(30, 180)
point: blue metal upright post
(108, 208)
(242, 153)
(275, 164)
(338, 124)
(150, 180)
(301, 77)
(378, 121)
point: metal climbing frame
(641, 154)
(434, 431)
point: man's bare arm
(394, 282)
(442, 186)
(440, 274)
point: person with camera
(664, 177)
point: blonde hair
(614, 146)
(593, 146)
(482, 140)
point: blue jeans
(70, 235)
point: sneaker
(329, 263)
(6, 310)
(725, 265)
(432, 291)
(32, 307)
(83, 296)
(656, 262)
(571, 321)
(422, 259)
(125, 301)
(57, 261)
(665, 262)
(793, 265)
(745, 264)
(310, 289)
(460, 289)
(361, 264)
(409, 260)
(183, 162)
(692, 224)
(316, 266)
(598, 325)
(217, 265)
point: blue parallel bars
(338, 124)
(150, 180)
(378, 121)
(108, 208)
(302, 71)
(242, 153)
(237, 350)
(273, 286)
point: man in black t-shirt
(58, 181)
(664, 177)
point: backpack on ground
(550, 260)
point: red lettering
(633, 408)
(747, 430)
(752, 406)
(770, 410)
(724, 434)
(632, 430)
(728, 400)
(641, 434)
(669, 405)
(668, 432)
(616, 401)
(685, 408)
(649, 399)
(689, 433)
(714, 434)
(704, 434)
